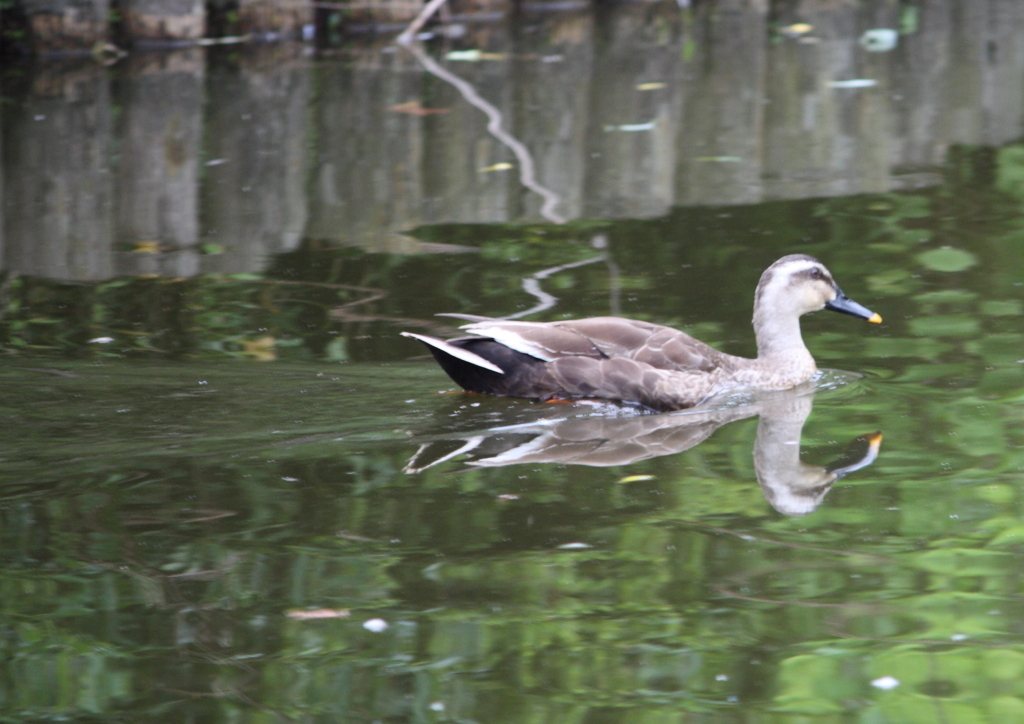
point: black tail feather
(525, 376)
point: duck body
(635, 361)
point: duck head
(798, 284)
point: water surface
(220, 464)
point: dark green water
(171, 514)
(231, 492)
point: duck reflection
(790, 485)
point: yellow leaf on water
(796, 29)
(306, 614)
(260, 349)
(415, 108)
(636, 478)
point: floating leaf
(633, 127)
(796, 29)
(260, 349)
(307, 615)
(146, 247)
(475, 55)
(854, 83)
(470, 56)
(947, 259)
(636, 478)
(415, 108)
(879, 40)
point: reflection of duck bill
(860, 453)
(800, 488)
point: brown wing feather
(620, 378)
(670, 349)
(653, 344)
(614, 336)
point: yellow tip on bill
(875, 318)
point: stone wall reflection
(631, 152)
(253, 201)
(627, 111)
(366, 181)
(160, 126)
(720, 135)
(551, 121)
(58, 189)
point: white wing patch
(457, 352)
(503, 335)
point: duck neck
(780, 345)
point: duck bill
(844, 304)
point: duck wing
(545, 341)
(621, 378)
(659, 347)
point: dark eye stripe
(812, 273)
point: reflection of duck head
(791, 486)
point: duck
(638, 362)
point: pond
(231, 491)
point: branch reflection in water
(791, 486)
(527, 173)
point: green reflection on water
(176, 501)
